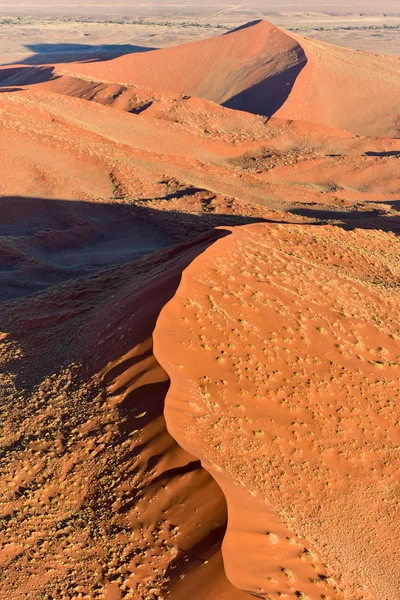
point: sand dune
(262, 69)
(122, 172)
(103, 488)
(46, 242)
(284, 362)
(257, 57)
(116, 183)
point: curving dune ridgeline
(262, 69)
(282, 345)
(237, 202)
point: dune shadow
(11, 89)
(244, 26)
(13, 77)
(393, 204)
(198, 553)
(45, 242)
(146, 467)
(46, 53)
(266, 97)
(389, 153)
(65, 235)
(141, 108)
(355, 219)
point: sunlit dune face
(285, 368)
(122, 181)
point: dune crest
(284, 366)
(348, 89)
(86, 457)
(262, 69)
(250, 68)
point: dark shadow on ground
(46, 53)
(12, 77)
(101, 322)
(267, 96)
(389, 153)
(11, 89)
(46, 242)
(198, 553)
(105, 315)
(245, 26)
(141, 108)
(394, 204)
(355, 219)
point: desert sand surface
(254, 450)
(284, 365)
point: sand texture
(234, 202)
(284, 366)
(262, 69)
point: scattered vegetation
(50, 20)
(344, 28)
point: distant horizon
(37, 32)
(96, 8)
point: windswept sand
(282, 345)
(97, 499)
(91, 173)
(110, 193)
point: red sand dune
(257, 57)
(282, 345)
(97, 500)
(105, 186)
(86, 187)
(262, 69)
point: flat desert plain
(39, 31)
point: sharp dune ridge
(262, 69)
(199, 269)
(281, 365)
(251, 68)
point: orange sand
(116, 182)
(283, 353)
(262, 69)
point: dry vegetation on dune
(120, 198)
(98, 501)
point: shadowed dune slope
(45, 242)
(262, 69)
(282, 345)
(113, 507)
(136, 183)
(348, 89)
